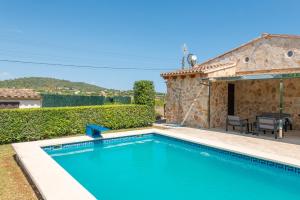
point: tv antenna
(185, 52)
(189, 57)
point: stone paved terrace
(286, 150)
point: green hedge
(40, 123)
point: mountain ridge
(60, 86)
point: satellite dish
(192, 59)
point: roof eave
(171, 74)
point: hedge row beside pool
(18, 125)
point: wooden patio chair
(234, 121)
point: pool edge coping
(34, 159)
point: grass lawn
(13, 183)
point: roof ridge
(262, 36)
(283, 35)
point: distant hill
(52, 85)
(59, 86)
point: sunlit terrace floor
(262, 145)
(291, 136)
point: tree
(144, 93)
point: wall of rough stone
(255, 97)
(172, 113)
(189, 94)
(265, 54)
(252, 98)
(292, 100)
(184, 96)
(218, 104)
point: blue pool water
(157, 167)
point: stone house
(19, 98)
(255, 77)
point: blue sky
(141, 34)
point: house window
(246, 60)
(6, 105)
(290, 53)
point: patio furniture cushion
(267, 123)
(233, 120)
(287, 119)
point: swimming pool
(153, 166)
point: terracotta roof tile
(200, 69)
(8, 93)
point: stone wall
(264, 54)
(252, 98)
(292, 100)
(187, 98)
(189, 94)
(218, 104)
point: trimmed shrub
(144, 93)
(18, 125)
